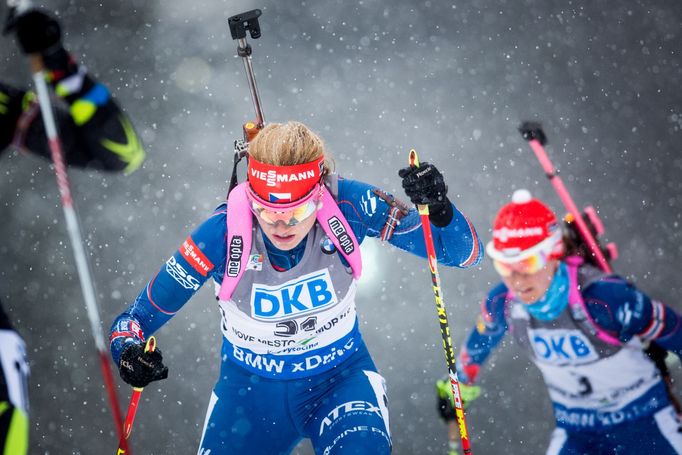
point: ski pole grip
(413, 160)
(150, 346)
(240, 23)
(531, 131)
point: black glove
(446, 405)
(425, 185)
(139, 368)
(36, 32)
(446, 410)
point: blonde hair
(288, 144)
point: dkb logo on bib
(302, 295)
(562, 346)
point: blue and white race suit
(607, 399)
(294, 364)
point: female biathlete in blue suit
(294, 364)
(585, 330)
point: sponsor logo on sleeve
(181, 275)
(196, 258)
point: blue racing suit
(607, 398)
(270, 393)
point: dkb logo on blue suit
(300, 296)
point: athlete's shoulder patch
(255, 262)
(195, 257)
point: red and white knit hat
(523, 228)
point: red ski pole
(74, 231)
(532, 132)
(18, 7)
(150, 346)
(442, 318)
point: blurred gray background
(451, 79)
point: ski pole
(532, 132)
(72, 225)
(150, 346)
(442, 317)
(239, 24)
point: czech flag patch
(279, 197)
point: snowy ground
(452, 79)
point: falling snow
(375, 79)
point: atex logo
(339, 231)
(349, 408)
(235, 251)
(180, 275)
(296, 297)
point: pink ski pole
(532, 132)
